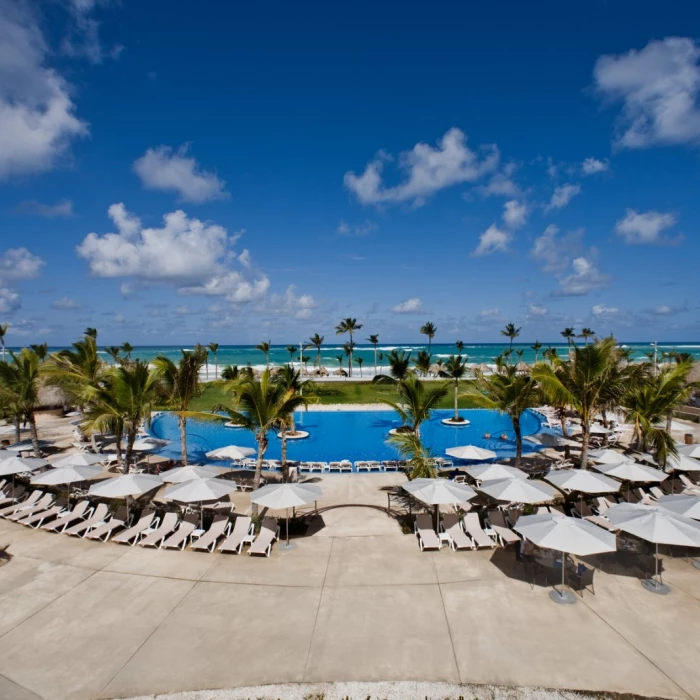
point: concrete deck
(83, 620)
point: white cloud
(182, 310)
(583, 279)
(9, 301)
(164, 169)
(19, 264)
(363, 229)
(37, 114)
(83, 38)
(48, 211)
(427, 169)
(410, 306)
(195, 256)
(499, 185)
(555, 252)
(646, 227)
(591, 166)
(514, 214)
(536, 310)
(489, 313)
(291, 305)
(492, 240)
(245, 259)
(601, 311)
(65, 304)
(658, 87)
(562, 195)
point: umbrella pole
(126, 498)
(287, 527)
(437, 520)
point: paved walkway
(83, 620)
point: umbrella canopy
(67, 475)
(683, 463)
(26, 445)
(80, 459)
(582, 480)
(126, 485)
(682, 504)
(472, 452)
(491, 472)
(689, 450)
(439, 491)
(190, 472)
(149, 443)
(598, 429)
(571, 535)
(632, 471)
(278, 496)
(550, 440)
(17, 465)
(516, 490)
(231, 452)
(655, 524)
(608, 456)
(199, 490)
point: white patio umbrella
(607, 455)
(200, 490)
(231, 452)
(125, 486)
(80, 459)
(190, 472)
(437, 492)
(289, 495)
(632, 471)
(583, 481)
(148, 444)
(658, 525)
(550, 440)
(683, 463)
(26, 445)
(598, 429)
(491, 472)
(472, 452)
(67, 475)
(516, 490)
(16, 465)
(682, 504)
(568, 536)
(689, 450)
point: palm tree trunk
(562, 420)
(262, 446)
(375, 360)
(35, 436)
(283, 457)
(669, 422)
(130, 439)
(18, 432)
(182, 421)
(518, 440)
(583, 464)
(216, 366)
(118, 448)
(456, 392)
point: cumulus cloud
(514, 214)
(164, 169)
(362, 229)
(37, 113)
(492, 240)
(591, 166)
(583, 278)
(193, 255)
(83, 38)
(9, 300)
(647, 227)
(489, 313)
(427, 169)
(537, 310)
(410, 306)
(602, 311)
(290, 304)
(16, 264)
(48, 211)
(65, 304)
(500, 184)
(658, 87)
(562, 195)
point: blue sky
(174, 172)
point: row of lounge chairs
(344, 465)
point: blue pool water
(353, 435)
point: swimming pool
(353, 435)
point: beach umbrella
(190, 472)
(231, 452)
(27, 445)
(125, 486)
(608, 456)
(583, 481)
(80, 459)
(683, 463)
(289, 495)
(16, 465)
(658, 525)
(200, 490)
(439, 492)
(67, 475)
(632, 471)
(491, 472)
(472, 452)
(517, 490)
(148, 444)
(682, 504)
(689, 450)
(550, 440)
(598, 429)
(568, 536)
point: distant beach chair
(10, 496)
(242, 533)
(207, 541)
(25, 511)
(269, 532)
(97, 518)
(104, 530)
(427, 537)
(33, 497)
(36, 519)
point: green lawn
(327, 393)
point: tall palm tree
(341, 359)
(550, 354)
(350, 326)
(399, 368)
(316, 341)
(214, 349)
(262, 406)
(455, 368)
(374, 341)
(180, 384)
(3, 331)
(113, 351)
(569, 334)
(291, 380)
(586, 333)
(429, 329)
(421, 464)
(511, 332)
(460, 346)
(536, 346)
(416, 401)
(264, 347)
(291, 349)
(41, 350)
(19, 387)
(91, 332)
(127, 349)
(510, 392)
(358, 362)
(590, 380)
(423, 362)
(348, 349)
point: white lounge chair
(504, 534)
(242, 533)
(269, 532)
(155, 538)
(473, 527)
(25, 511)
(95, 520)
(427, 538)
(79, 511)
(33, 497)
(458, 538)
(103, 531)
(207, 541)
(178, 540)
(11, 496)
(36, 519)
(146, 521)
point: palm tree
(586, 333)
(3, 331)
(316, 341)
(569, 334)
(91, 333)
(420, 461)
(19, 387)
(214, 348)
(423, 362)
(359, 361)
(127, 349)
(348, 325)
(180, 384)
(416, 401)
(536, 346)
(262, 406)
(550, 354)
(679, 357)
(291, 349)
(429, 329)
(230, 372)
(290, 379)
(590, 380)
(511, 332)
(455, 368)
(113, 351)
(264, 347)
(510, 392)
(348, 349)
(374, 341)
(41, 350)
(341, 359)
(399, 368)
(460, 346)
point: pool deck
(356, 601)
